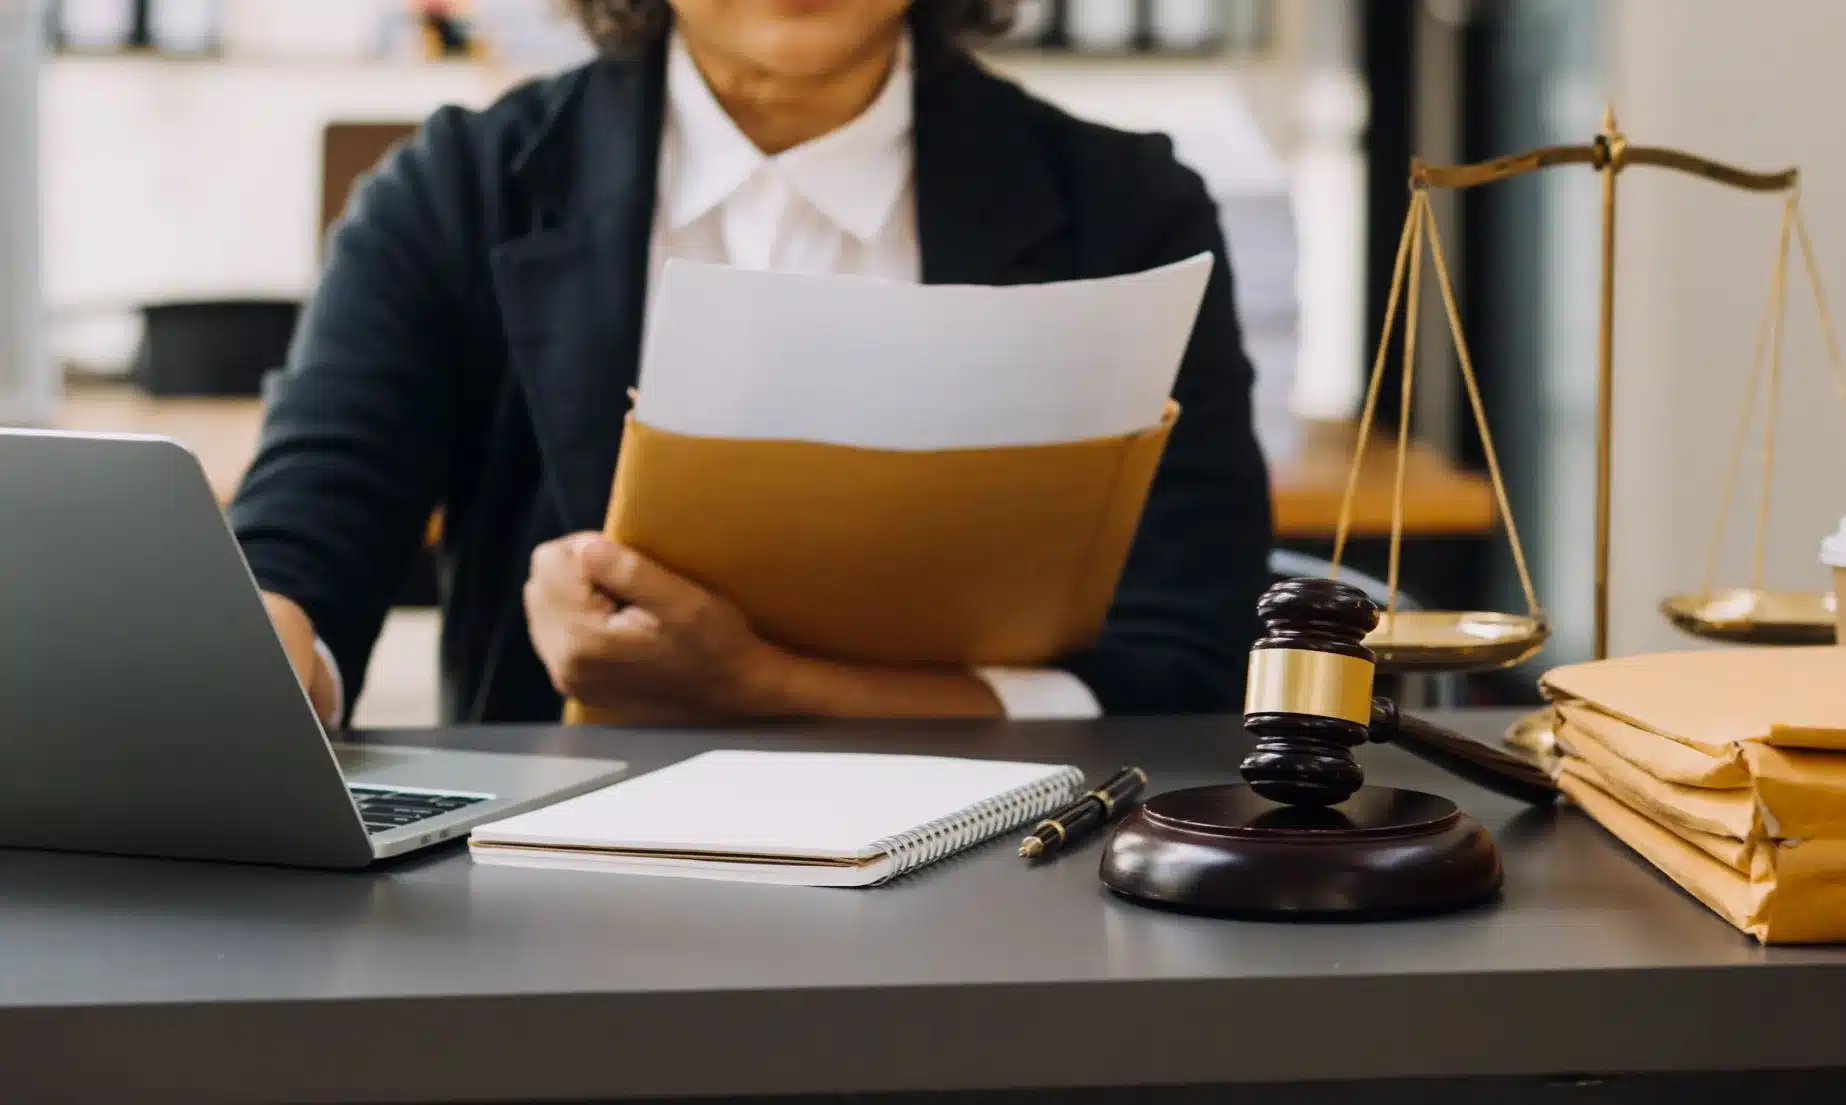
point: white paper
(744, 354)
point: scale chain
(1370, 411)
(1423, 215)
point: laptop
(148, 708)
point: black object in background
(1535, 76)
(220, 347)
(1388, 56)
(449, 33)
(127, 32)
(1036, 27)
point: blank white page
(810, 805)
(878, 364)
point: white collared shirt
(841, 204)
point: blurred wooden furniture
(221, 432)
(348, 152)
(1439, 498)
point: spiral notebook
(801, 818)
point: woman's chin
(825, 42)
(811, 8)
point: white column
(1330, 216)
(28, 382)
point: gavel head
(1308, 700)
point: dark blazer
(478, 325)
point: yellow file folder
(1003, 556)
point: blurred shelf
(152, 60)
(1102, 71)
(215, 161)
(173, 68)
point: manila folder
(1001, 556)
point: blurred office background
(168, 169)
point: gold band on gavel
(1300, 681)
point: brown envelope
(1711, 700)
(1728, 813)
(1804, 860)
(1785, 794)
(1742, 856)
(1793, 895)
(1662, 757)
(967, 557)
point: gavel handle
(1481, 764)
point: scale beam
(1459, 177)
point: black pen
(1089, 811)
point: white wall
(27, 385)
(1758, 83)
(196, 179)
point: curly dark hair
(619, 25)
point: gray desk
(435, 980)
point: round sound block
(1226, 850)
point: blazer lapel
(988, 208)
(573, 291)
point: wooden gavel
(1309, 703)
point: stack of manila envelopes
(884, 472)
(1726, 769)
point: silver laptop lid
(146, 706)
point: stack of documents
(886, 472)
(1726, 769)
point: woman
(477, 327)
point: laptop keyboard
(384, 810)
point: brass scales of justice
(1428, 641)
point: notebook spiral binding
(980, 822)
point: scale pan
(1744, 615)
(1536, 735)
(1411, 641)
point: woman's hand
(615, 630)
(620, 633)
(297, 635)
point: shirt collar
(853, 175)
